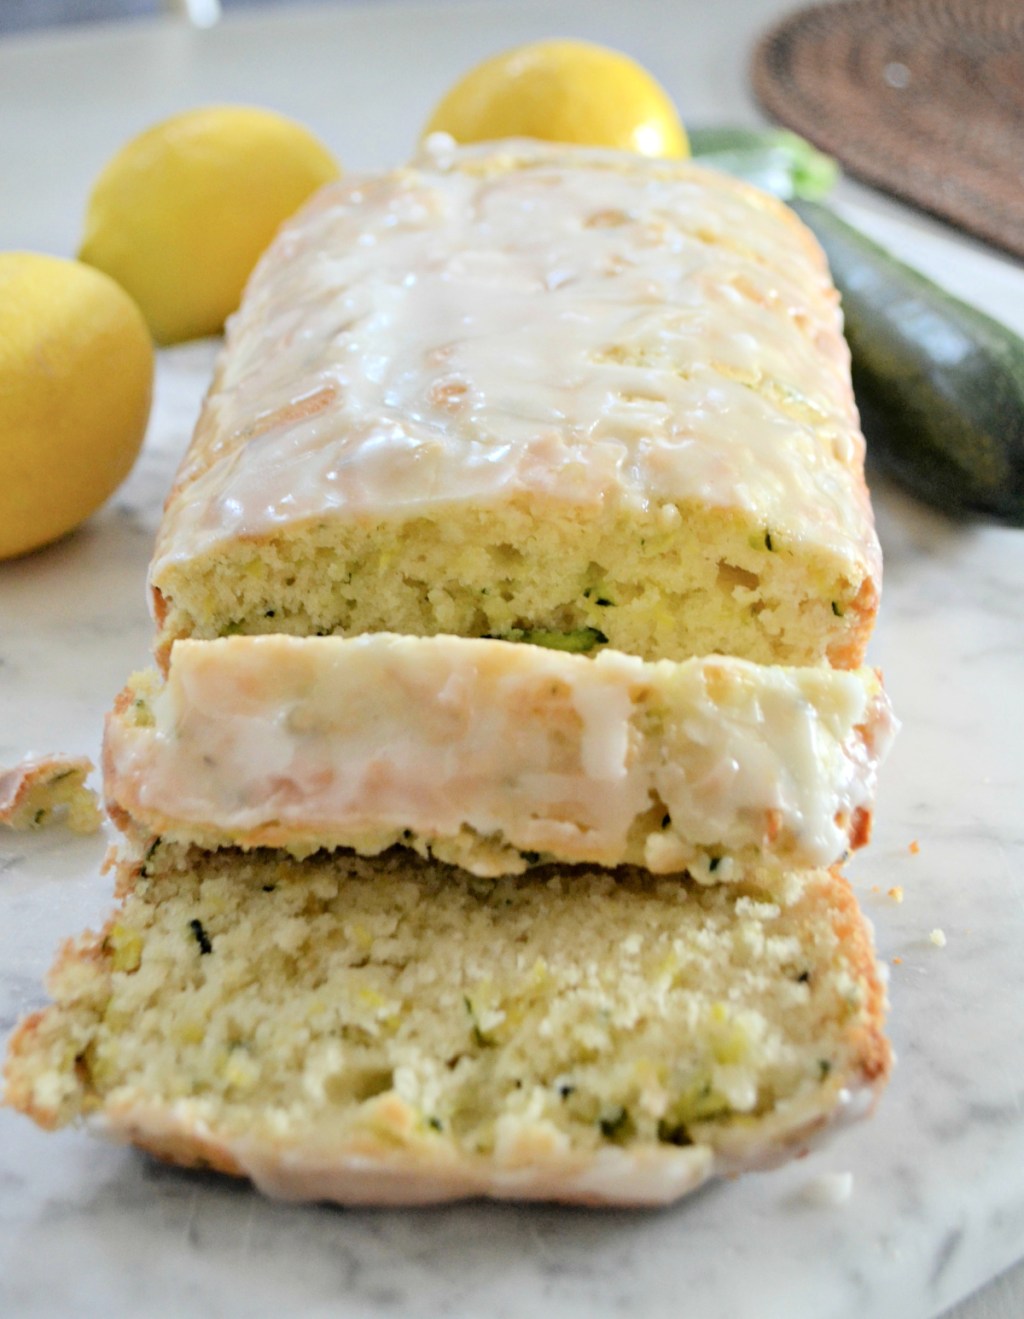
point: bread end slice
(397, 1032)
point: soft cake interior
(668, 584)
(308, 1004)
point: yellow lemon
(563, 91)
(181, 214)
(76, 376)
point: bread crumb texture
(337, 1004)
(703, 581)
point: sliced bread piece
(393, 1031)
(496, 756)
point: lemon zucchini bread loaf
(517, 388)
(393, 1031)
(496, 756)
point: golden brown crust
(854, 934)
(849, 650)
(860, 828)
(201, 452)
(18, 1092)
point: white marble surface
(938, 1192)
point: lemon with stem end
(563, 91)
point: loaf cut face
(393, 1031)
(520, 389)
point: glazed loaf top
(569, 327)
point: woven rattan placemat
(924, 98)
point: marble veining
(937, 1204)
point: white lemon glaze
(280, 740)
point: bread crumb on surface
(43, 790)
(914, 848)
(938, 938)
(896, 893)
(829, 1188)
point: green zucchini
(579, 642)
(939, 384)
(774, 159)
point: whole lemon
(181, 214)
(563, 91)
(76, 377)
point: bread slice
(393, 1031)
(497, 756)
(524, 388)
